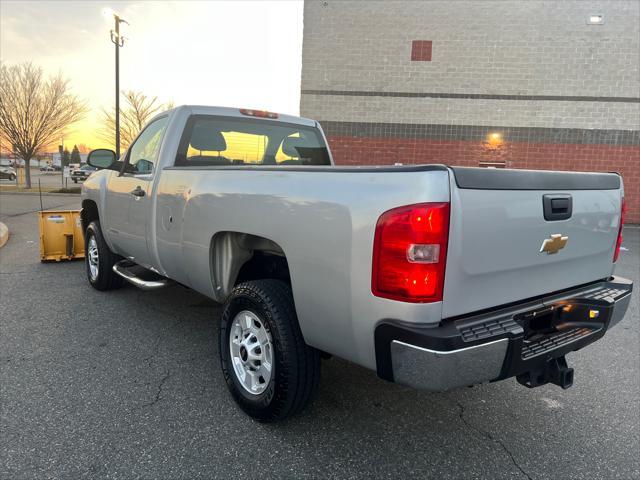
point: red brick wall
(624, 159)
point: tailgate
(498, 228)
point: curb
(4, 234)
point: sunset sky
(227, 53)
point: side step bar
(122, 269)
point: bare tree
(138, 110)
(83, 148)
(34, 111)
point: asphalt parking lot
(48, 180)
(126, 384)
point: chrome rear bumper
(438, 371)
(502, 343)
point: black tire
(75, 180)
(12, 177)
(296, 373)
(106, 278)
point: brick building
(521, 84)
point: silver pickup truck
(436, 277)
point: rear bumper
(501, 343)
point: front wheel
(269, 369)
(75, 180)
(12, 177)
(99, 260)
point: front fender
(95, 189)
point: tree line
(36, 111)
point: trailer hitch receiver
(554, 371)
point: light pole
(118, 41)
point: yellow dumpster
(61, 236)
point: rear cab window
(210, 140)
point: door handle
(137, 192)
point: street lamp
(118, 41)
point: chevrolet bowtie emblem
(554, 244)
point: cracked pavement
(127, 385)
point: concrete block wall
(524, 84)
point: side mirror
(101, 158)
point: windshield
(212, 140)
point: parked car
(8, 173)
(436, 277)
(47, 169)
(82, 173)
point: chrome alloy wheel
(92, 256)
(251, 352)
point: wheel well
(89, 213)
(264, 265)
(239, 257)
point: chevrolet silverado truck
(435, 277)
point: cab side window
(143, 154)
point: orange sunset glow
(236, 53)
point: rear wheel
(12, 177)
(269, 369)
(99, 260)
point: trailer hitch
(554, 371)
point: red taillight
(623, 211)
(410, 252)
(258, 113)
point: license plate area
(538, 323)
(553, 326)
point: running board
(122, 269)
